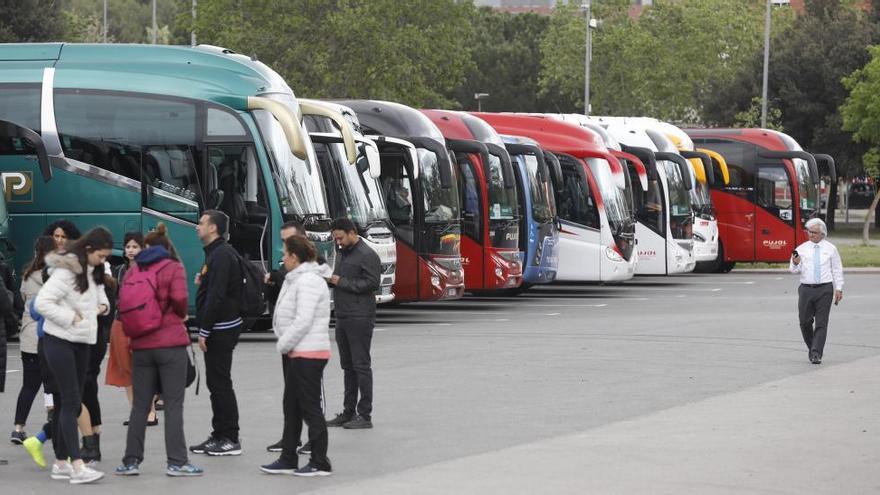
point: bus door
(399, 179)
(474, 216)
(580, 236)
(734, 200)
(774, 212)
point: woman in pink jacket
(159, 358)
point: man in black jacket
(220, 323)
(355, 281)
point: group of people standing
(74, 306)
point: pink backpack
(139, 309)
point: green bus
(138, 134)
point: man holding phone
(821, 275)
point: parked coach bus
(354, 190)
(597, 238)
(488, 202)
(139, 134)
(421, 197)
(539, 223)
(664, 219)
(773, 191)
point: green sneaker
(34, 447)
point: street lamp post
(585, 7)
(479, 97)
(192, 35)
(155, 29)
(105, 21)
(766, 66)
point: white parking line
(569, 306)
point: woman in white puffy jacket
(70, 301)
(301, 322)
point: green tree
(507, 58)
(861, 116)
(409, 51)
(661, 64)
(29, 21)
(807, 62)
(131, 21)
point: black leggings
(97, 351)
(68, 362)
(31, 381)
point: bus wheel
(727, 266)
(714, 266)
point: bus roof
(553, 135)
(393, 119)
(201, 72)
(766, 138)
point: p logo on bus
(18, 186)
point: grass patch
(852, 231)
(853, 256)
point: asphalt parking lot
(689, 384)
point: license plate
(451, 291)
(386, 291)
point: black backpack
(253, 301)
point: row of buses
(126, 136)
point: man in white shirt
(818, 263)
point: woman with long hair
(159, 358)
(301, 322)
(119, 360)
(32, 376)
(70, 301)
(62, 231)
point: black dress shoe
(814, 358)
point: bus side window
(397, 190)
(243, 195)
(470, 198)
(651, 211)
(577, 203)
(115, 131)
(773, 193)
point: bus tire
(714, 266)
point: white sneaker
(62, 471)
(85, 474)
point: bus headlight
(612, 254)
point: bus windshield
(363, 196)
(441, 203)
(808, 193)
(542, 206)
(502, 201)
(297, 182)
(700, 199)
(679, 202)
(617, 208)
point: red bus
(773, 191)
(597, 238)
(421, 196)
(488, 202)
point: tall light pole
(105, 21)
(766, 65)
(192, 34)
(479, 97)
(155, 29)
(587, 56)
